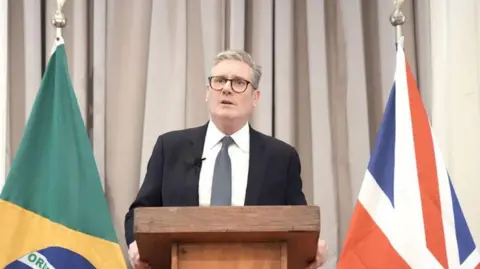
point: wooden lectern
(249, 237)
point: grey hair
(242, 56)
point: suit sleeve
(295, 195)
(150, 193)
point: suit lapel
(256, 171)
(193, 164)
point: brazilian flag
(53, 212)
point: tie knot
(226, 141)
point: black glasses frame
(231, 84)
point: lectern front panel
(232, 256)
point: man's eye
(239, 82)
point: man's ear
(256, 97)
(207, 93)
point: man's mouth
(226, 102)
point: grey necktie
(222, 176)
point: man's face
(230, 94)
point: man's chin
(227, 118)
(227, 115)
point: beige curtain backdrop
(139, 69)
(3, 89)
(454, 77)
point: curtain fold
(127, 47)
(3, 91)
(259, 43)
(140, 69)
(355, 98)
(33, 57)
(283, 96)
(96, 92)
(324, 189)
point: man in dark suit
(224, 162)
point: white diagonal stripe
(446, 202)
(36, 261)
(471, 261)
(378, 206)
(408, 206)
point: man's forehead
(232, 69)
(232, 64)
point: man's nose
(227, 88)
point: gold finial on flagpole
(58, 19)
(397, 19)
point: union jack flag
(407, 214)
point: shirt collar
(241, 137)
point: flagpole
(59, 20)
(397, 19)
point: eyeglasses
(238, 85)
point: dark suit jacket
(174, 167)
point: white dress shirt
(239, 156)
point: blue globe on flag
(51, 258)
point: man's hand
(134, 257)
(321, 257)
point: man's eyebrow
(234, 76)
(240, 77)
